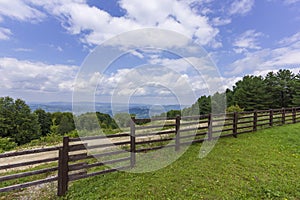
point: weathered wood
(77, 147)
(155, 133)
(153, 141)
(28, 163)
(108, 162)
(243, 127)
(294, 115)
(77, 157)
(97, 137)
(210, 123)
(132, 143)
(271, 117)
(154, 126)
(255, 120)
(28, 184)
(107, 145)
(177, 128)
(33, 151)
(283, 116)
(189, 136)
(74, 177)
(62, 186)
(155, 148)
(106, 154)
(25, 174)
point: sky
(44, 46)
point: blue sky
(44, 43)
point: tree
(173, 113)
(250, 93)
(122, 119)
(201, 106)
(280, 88)
(17, 121)
(7, 119)
(64, 121)
(44, 119)
(229, 97)
(65, 125)
(87, 121)
(105, 121)
(218, 102)
(296, 95)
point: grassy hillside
(260, 165)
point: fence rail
(73, 160)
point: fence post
(235, 120)
(255, 121)
(63, 168)
(209, 132)
(294, 114)
(177, 129)
(132, 143)
(283, 116)
(271, 117)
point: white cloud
(220, 22)
(5, 33)
(289, 40)
(96, 25)
(20, 10)
(59, 49)
(267, 59)
(241, 7)
(289, 2)
(22, 75)
(247, 40)
(23, 50)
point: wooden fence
(84, 157)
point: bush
(7, 144)
(234, 108)
(49, 139)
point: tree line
(275, 90)
(20, 125)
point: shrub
(234, 108)
(7, 144)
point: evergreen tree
(280, 88)
(249, 93)
(44, 120)
(296, 95)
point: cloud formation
(248, 40)
(5, 33)
(23, 75)
(20, 10)
(95, 25)
(241, 7)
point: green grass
(260, 165)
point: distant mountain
(140, 110)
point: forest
(20, 125)
(275, 90)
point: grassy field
(260, 165)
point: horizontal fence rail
(84, 157)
